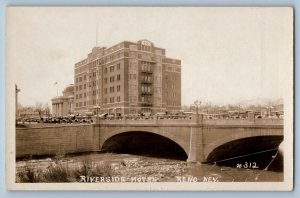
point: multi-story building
(64, 105)
(127, 78)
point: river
(133, 167)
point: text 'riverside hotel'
(127, 78)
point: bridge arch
(275, 135)
(163, 133)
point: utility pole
(197, 104)
(17, 90)
(97, 34)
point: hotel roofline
(103, 51)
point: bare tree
(46, 109)
(38, 108)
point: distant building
(127, 78)
(64, 105)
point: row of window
(172, 95)
(85, 94)
(112, 99)
(84, 86)
(112, 68)
(132, 76)
(171, 77)
(147, 78)
(85, 103)
(112, 78)
(146, 88)
(171, 103)
(132, 99)
(112, 89)
(170, 86)
(84, 77)
(146, 99)
(146, 67)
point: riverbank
(133, 167)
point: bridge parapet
(242, 122)
(194, 120)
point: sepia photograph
(149, 98)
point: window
(84, 86)
(112, 100)
(112, 79)
(105, 90)
(118, 99)
(112, 89)
(118, 88)
(76, 96)
(105, 70)
(118, 77)
(111, 69)
(84, 95)
(84, 77)
(105, 80)
(105, 100)
(118, 66)
(76, 88)
(80, 87)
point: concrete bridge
(197, 139)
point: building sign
(145, 42)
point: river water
(133, 167)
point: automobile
(104, 115)
(133, 116)
(147, 116)
(110, 117)
(161, 115)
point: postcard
(149, 98)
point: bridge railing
(226, 122)
(148, 120)
(195, 119)
(269, 121)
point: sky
(228, 55)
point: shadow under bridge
(145, 144)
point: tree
(38, 108)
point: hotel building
(127, 78)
